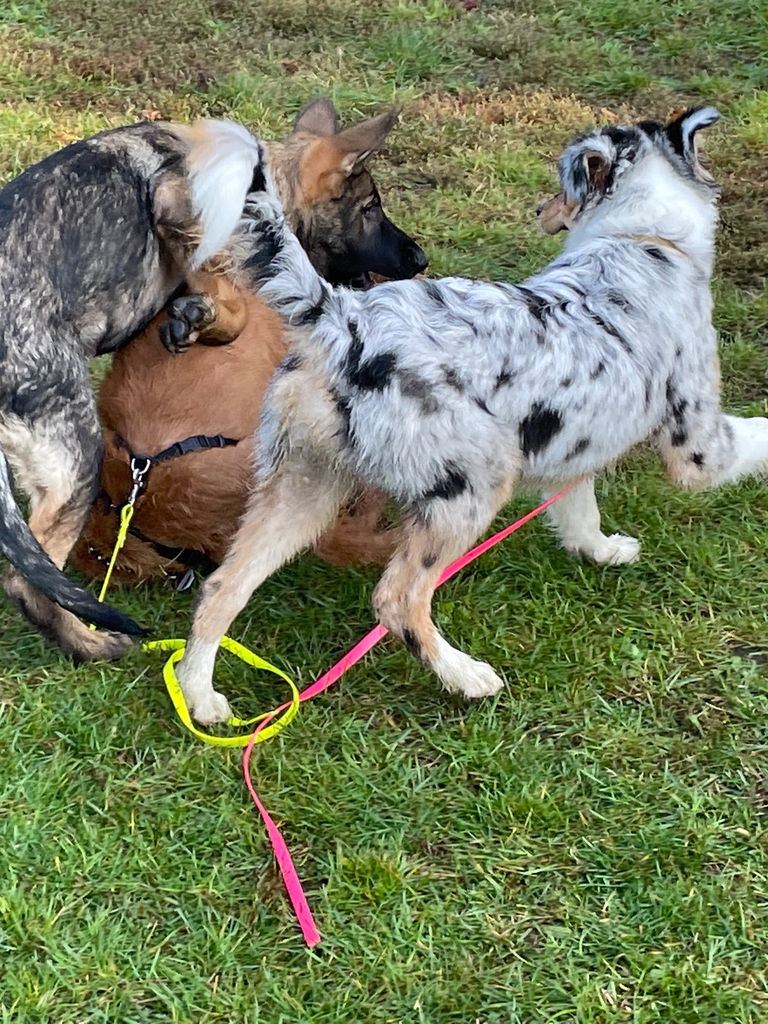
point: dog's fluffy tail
(19, 546)
(221, 161)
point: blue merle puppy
(449, 393)
(94, 241)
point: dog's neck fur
(283, 161)
(652, 200)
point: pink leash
(282, 854)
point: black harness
(140, 467)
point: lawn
(592, 845)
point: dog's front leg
(284, 516)
(214, 313)
(576, 520)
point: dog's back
(83, 220)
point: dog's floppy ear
(361, 140)
(681, 130)
(586, 168)
(318, 117)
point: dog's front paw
(212, 708)
(614, 550)
(187, 317)
(463, 675)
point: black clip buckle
(139, 469)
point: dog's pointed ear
(681, 130)
(318, 117)
(585, 169)
(362, 140)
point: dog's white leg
(750, 449)
(576, 519)
(285, 516)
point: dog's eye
(370, 207)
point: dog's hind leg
(59, 470)
(703, 447)
(431, 538)
(285, 515)
(576, 520)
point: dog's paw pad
(187, 316)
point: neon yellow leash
(177, 647)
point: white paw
(211, 708)
(461, 674)
(614, 550)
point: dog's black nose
(420, 260)
(539, 209)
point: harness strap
(197, 443)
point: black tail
(18, 545)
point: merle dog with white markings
(94, 241)
(448, 393)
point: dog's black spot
(538, 428)
(312, 314)
(677, 409)
(620, 300)
(598, 371)
(375, 373)
(581, 446)
(355, 351)
(481, 404)
(612, 330)
(697, 459)
(503, 378)
(566, 382)
(413, 386)
(290, 363)
(411, 642)
(451, 485)
(434, 292)
(678, 352)
(258, 181)
(429, 560)
(344, 410)
(697, 405)
(452, 379)
(536, 305)
(656, 254)
(679, 437)
(648, 392)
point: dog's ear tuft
(681, 130)
(362, 140)
(585, 168)
(318, 117)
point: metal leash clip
(140, 467)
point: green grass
(591, 846)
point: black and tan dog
(94, 241)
